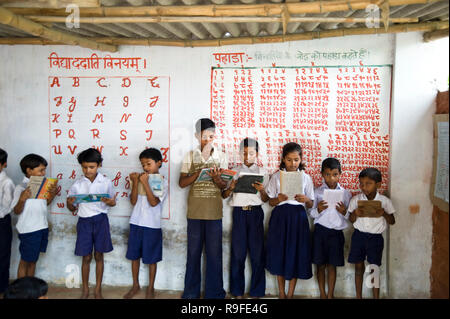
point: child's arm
(354, 215)
(280, 198)
(52, 192)
(185, 179)
(260, 188)
(152, 199)
(227, 192)
(70, 206)
(18, 209)
(215, 175)
(389, 217)
(134, 177)
(304, 199)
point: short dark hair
(151, 153)
(371, 173)
(331, 163)
(26, 288)
(249, 142)
(3, 156)
(204, 124)
(32, 161)
(289, 148)
(91, 155)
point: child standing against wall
(248, 225)
(6, 198)
(288, 236)
(32, 224)
(367, 239)
(145, 239)
(329, 223)
(93, 224)
(204, 213)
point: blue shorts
(328, 246)
(93, 232)
(366, 244)
(32, 244)
(145, 243)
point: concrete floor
(109, 292)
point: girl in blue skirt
(288, 238)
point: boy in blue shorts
(145, 239)
(6, 198)
(329, 223)
(32, 224)
(367, 239)
(93, 224)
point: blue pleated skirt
(289, 243)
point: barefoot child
(93, 224)
(367, 239)
(288, 237)
(145, 240)
(328, 238)
(32, 224)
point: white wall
(420, 69)
(23, 101)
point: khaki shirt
(204, 199)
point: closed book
(245, 183)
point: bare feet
(98, 294)
(133, 291)
(289, 296)
(323, 296)
(85, 294)
(150, 294)
(282, 296)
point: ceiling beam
(413, 27)
(20, 23)
(435, 35)
(262, 10)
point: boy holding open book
(369, 224)
(204, 213)
(32, 224)
(248, 194)
(148, 192)
(330, 219)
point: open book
(369, 207)
(333, 196)
(245, 181)
(291, 183)
(227, 175)
(39, 186)
(156, 182)
(88, 198)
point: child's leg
(281, 287)
(135, 264)
(331, 273)
(99, 266)
(359, 275)
(85, 268)
(23, 269)
(321, 280)
(31, 269)
(292, 284)
(151, 281)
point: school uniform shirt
(144, 214)
(6, 194)
(330, 217)
(273, 189)
(204, 199)
(246, 199)
(100, 185)
(34, 214)
(367, 224)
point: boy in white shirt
(6, 198)
(93, 224)
(248, 225)
(32, 224)
(367, 239)
(328, 238)
(145, 239)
